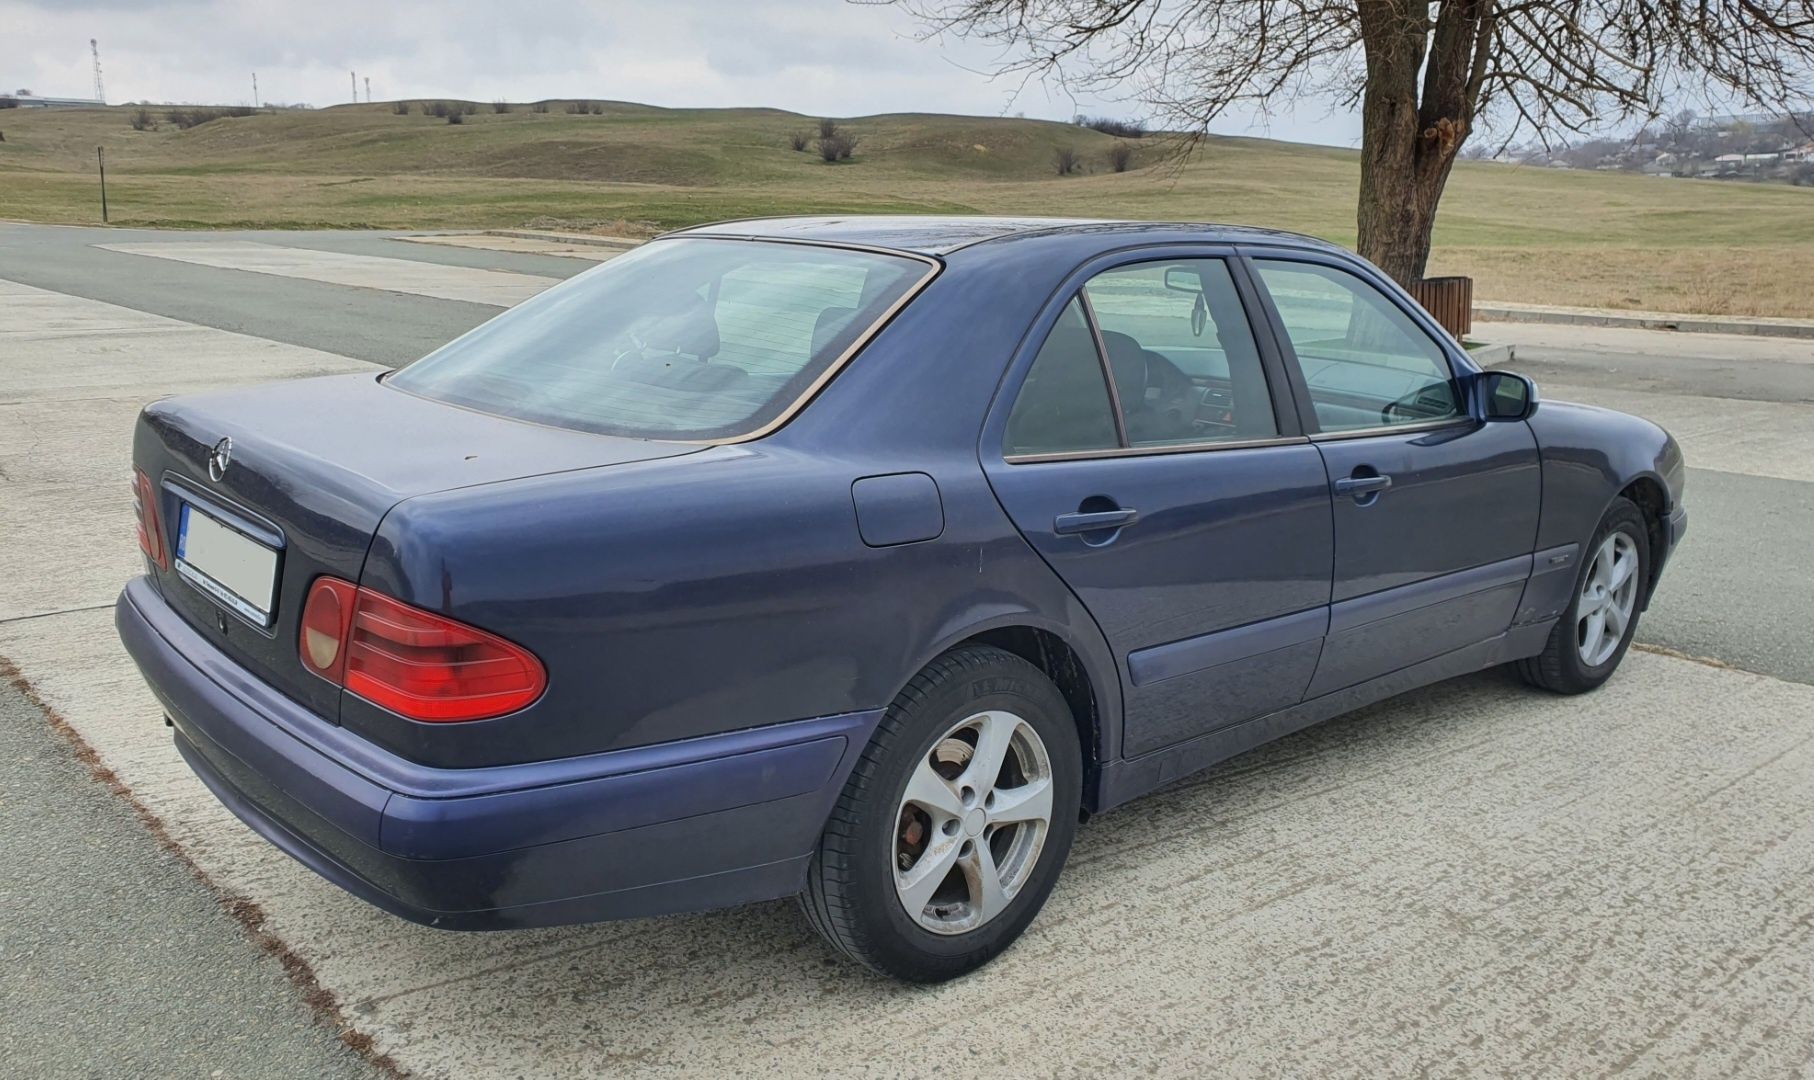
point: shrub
(142, 120)
(1065, 161)
(401, 108)
(186, 118)
(1802, 175)
(1108, 125)
(799, 140)
(1121, 155)
(836, 146)
(500, 106)
(540, 106)
(828, 129)
(436, 109)
(9, 102)
(578, 108)
(456, 116)
(598, 108)
(470, 108)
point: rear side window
(1168, 343)
(1186, 367)
(1365, 363)
(1063, 405)
(680, 339)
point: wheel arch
(1086, 681)
(1651, 497)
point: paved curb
(1492, 355)
(1648, 320)
(618, 243)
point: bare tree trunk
(1408, 146)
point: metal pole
(101, 160)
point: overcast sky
(820, 57)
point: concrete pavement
(1473, 878)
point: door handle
(1096, 521)
(1358, 486)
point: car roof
(939, 235)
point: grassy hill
(1538, 235)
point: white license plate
(226, 564)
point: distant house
(1799, 154)
(25, 99)
(1729, 163)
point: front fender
(1590, 455)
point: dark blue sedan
(856, 559)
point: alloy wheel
(1609, 597)
(972, 822)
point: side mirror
(1505, 395)
(1183, 279)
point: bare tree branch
(1425, 73)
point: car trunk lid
(310, 469)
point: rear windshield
(679, 339)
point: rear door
(1144, 446)
(1435, 510)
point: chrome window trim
(1459, 420)
(1148, 451)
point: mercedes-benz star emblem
(219, 458)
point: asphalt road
(114, 959)
(1471, 878)
(385, 328)
(1739, 591)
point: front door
(1435, 510)
(1149, 458)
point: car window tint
(1364, 361)
(1183, 356)
(771, 319)
(680, 339)
(1063, 405)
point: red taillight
(325, 616)
(413, 662)
(150, 528)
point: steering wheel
(1422, 403)
(621, 352)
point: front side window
(1364, 361)
(680, 339)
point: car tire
(1567, 665)
(881, 850)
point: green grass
(1540, 235)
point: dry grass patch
(1531, 235)
(1771, 281)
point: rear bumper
(685, 826)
